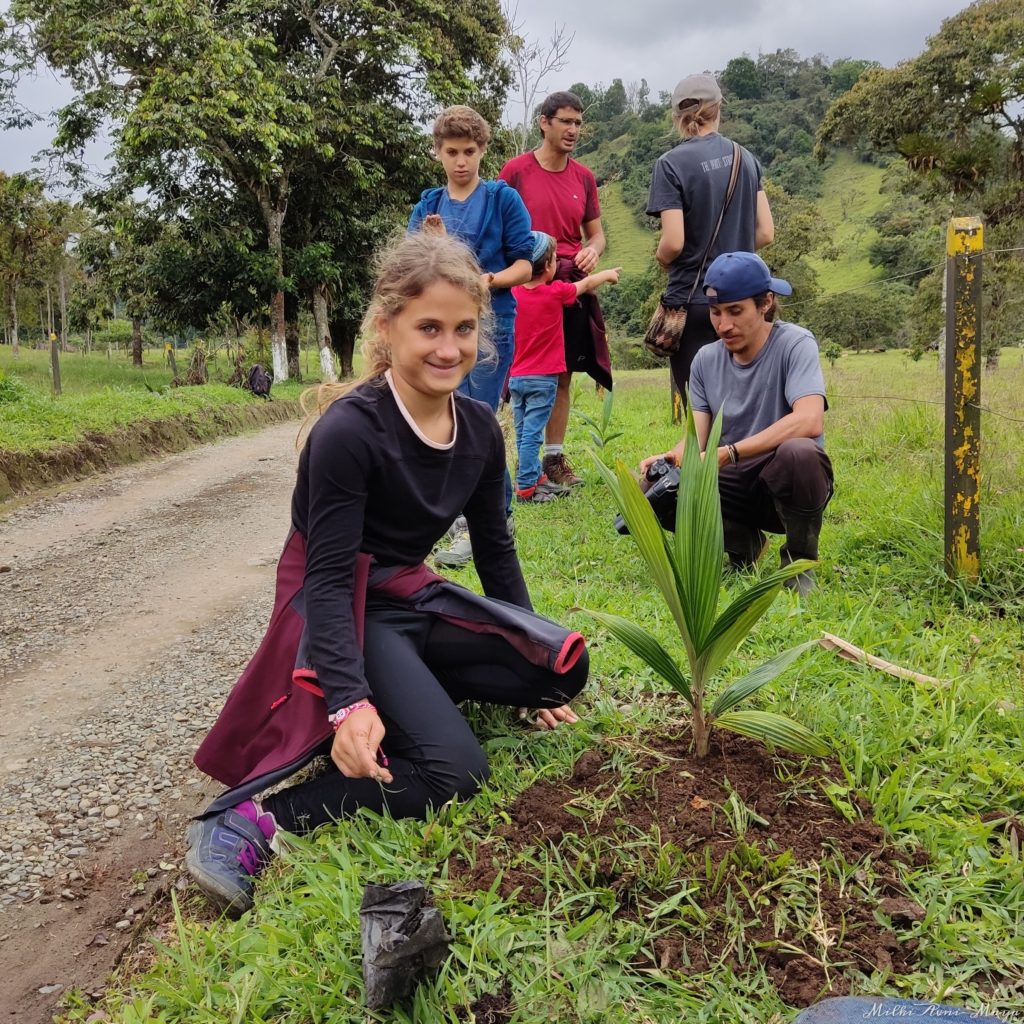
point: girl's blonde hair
(405, 270)
(694, 115)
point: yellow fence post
(676, 398)
(964, 239)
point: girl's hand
(549, 718)
(434, 225)
(356, 744)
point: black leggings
(419, 667)
(697, 333)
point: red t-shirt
(559, 202)
(540, 340)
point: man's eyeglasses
(576, 122)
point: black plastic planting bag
(401, 938)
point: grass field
(850, 198)
(100, 394)
(940, 764)
(629, 246)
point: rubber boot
(802, 529)
(743, 544)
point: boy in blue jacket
(491, 218)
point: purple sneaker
(226, 853)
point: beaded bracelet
(339, 716)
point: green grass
(933, 760)
(850, 198)
(100, 395)
(629, 246)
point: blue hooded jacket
(504, 233)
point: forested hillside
(860, 195)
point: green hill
(851, 197)
(629, 245)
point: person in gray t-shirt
(688, 189)
(765, 377)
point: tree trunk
(274, 218)
(343, 340)
(55, 362)
(14, 319)
(291, 336)
(323, 335)
(136, 341)
(62, 282)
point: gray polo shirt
(759, 394)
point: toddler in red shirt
(539, 359)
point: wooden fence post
(676, 398)
(964, 241)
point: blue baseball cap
(740, 275)
(541, 241)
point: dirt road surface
(128, 606)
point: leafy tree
(954, 112)
(742, 79)
(844, 73)
(24, 228)
(258, 91)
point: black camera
(661, 488)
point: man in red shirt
(561, 197)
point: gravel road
(128, 606)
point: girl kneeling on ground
(368, 653)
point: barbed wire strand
(925, 401)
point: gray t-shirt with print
(759, 394)
(694, 177)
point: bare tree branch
(532, 61)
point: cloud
(663, 40)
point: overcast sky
(660, 40)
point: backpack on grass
(260, 380)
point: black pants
(419, 668)
(697, 333)
(798, 474)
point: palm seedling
(686, 566)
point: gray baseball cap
(703, 88)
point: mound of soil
(21, 472)
(727, 822)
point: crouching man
(765, 374)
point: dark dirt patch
(740, 827)
(21, 472)
(490, 1008)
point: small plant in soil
(686, 566)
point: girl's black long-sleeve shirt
(368, 483)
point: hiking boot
(547, 486)
(802, 530)
(458, 526)
(461, 551)
(743, 544)
(557, 468)
(534, 495)
(226, 853)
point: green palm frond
(645, 647)
(776, 730)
